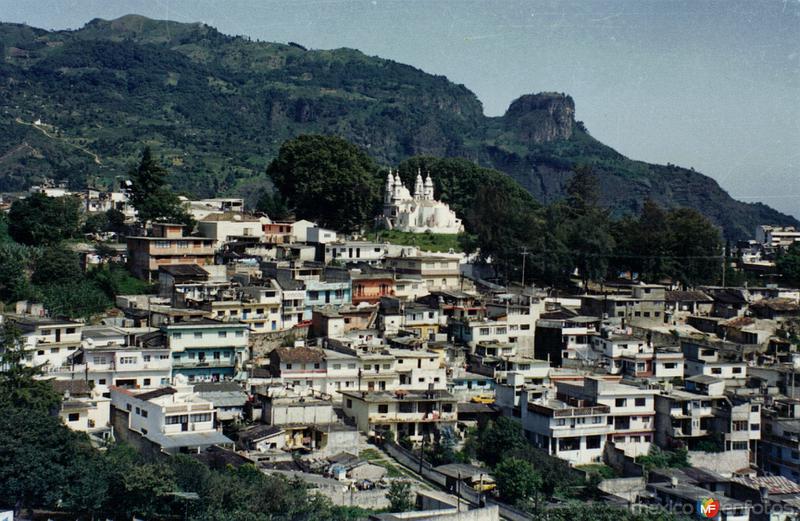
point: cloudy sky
(709, 84)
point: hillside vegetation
(216, 108)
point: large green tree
(400, 497)
(499, 438)
(38, 219)
(587, 233)
(328, 180)
(152, 197)
(788, 265)
(518, 482)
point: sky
(709, 84)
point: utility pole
(524, 256)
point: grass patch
(438, 242)
(604, 471)
(370, 454)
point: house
(681, 304)
(575, 433)
(776, 237)
(780, 447)
(206, 350)
(394, 415)
(683, 497)
(704, 359)
(701, 415)
(111, 356)
(228, 398)
(631, 413)
(370, 284)
(564, 337)
(262, 438)
(83, 409)
(168, 420)
(438, 271)
(47, 342)
(298, 366)
(645, 304)
(167, 245)
(309, 422)
(172, 275)
(230, 226)
(347, 252)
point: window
(144, 413)
(145, 358)
(216, 355)
(74, 416)
(128, 407)
(337, 366)
(349, 403)
(240, 334)
(525, 327)
(127, 360)
(54, 350)
(755, 427)
(351, 366)
(592, 442)
(737, 370)
(288, 366)
(484, 331)
(138, 411)
(198, 334)
(620, 402)
(203, 417)
(102, 381)
(640, 402)
(716, 370)
(222, 334)
(387, 366)
(176, 336)
(501, 330)
(670, 365)
(383, 408)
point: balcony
(201, 364)
(580, 411)
(412, 417)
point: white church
(419, 213)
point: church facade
(418, 213)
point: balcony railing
(185, 364)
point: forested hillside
(216, 108)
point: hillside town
(354, 364)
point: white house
(170, 419)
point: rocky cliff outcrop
(541, 118)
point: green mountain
(217, 107)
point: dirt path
(63, 140)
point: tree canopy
(151, 196)
(41, 220)
(329, 180)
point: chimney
(674, 482)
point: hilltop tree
(587, 233)
(329, 180)
(41, 220)
(152, 198)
